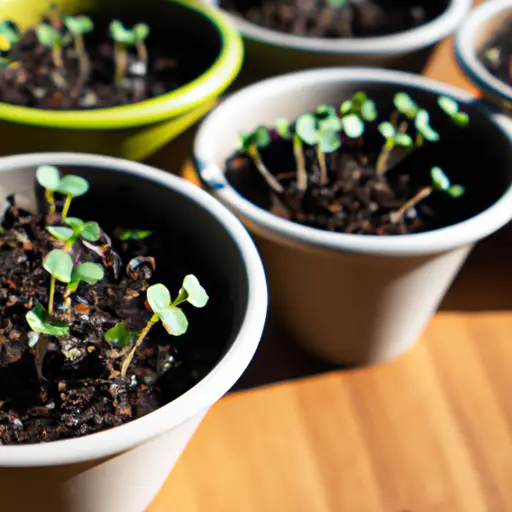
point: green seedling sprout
(59, 265)
(10, 31)
(283, 127)
(119, 336)
(76, 228)
(393, 139)
(452, 109)
(423, 129)
(361, 106)
(48, 176)
(251, 143)
(125, 38)
(320, 130)
(167, 311)
(440, 182)
(87, 272)
(132, 234)
(50, 37)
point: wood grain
(428, 432)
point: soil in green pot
(74, 62)
(496, 55)
(353, 169)
(335, 19)
(76, 355)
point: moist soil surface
(496, 55)
(35, 80)
(355, 19)
(81, 391)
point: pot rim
(394, 44)
(206, 86)
(465, 51)
(210, 388)
(272, 226)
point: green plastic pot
(139, 130)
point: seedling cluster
(329, 130)
(68, 263)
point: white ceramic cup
(121, 469)
(357, 298)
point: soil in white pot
(337, 19)
(77, 63)
(74, 359)
(385, 167)
(496, 55)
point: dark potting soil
(81, 391)
(496, 55)
(355, 19)
(35, 80)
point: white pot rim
(451, 237)
(203, 394)
(465, 47)
(400, 43)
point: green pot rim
(207, 86)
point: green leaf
(91, 231)
(158, 297)
(47, 35)
(174, 320)
(283, 128)
(439, 179)
(404, 140)
(359, 98)
(132, 234)
(329, 141)
(405, 105)
(197, 295)
(307, 129)
(262, 137)
(75, 223)
(353, 126)
(456, 191)
(40, 320)
(449, 105)
(119, 335)
(461, 119)
(89, 272)
(10, 30)
(59, 264)
(387, 130)
(332, 124)
(369, 111)
(73, 186)
(48, 177)
(325, 111)
(346, 107)
(141, 31)
(120, 34)
(423, 126)
(60, 232)
(78, 25)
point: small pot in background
(359, 298)
(475, 33)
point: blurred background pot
(358, 298)
(122, 469)
(140, 130)
(269, 52)
(476, 33)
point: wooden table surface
(430, 431)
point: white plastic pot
(359, 298)
(269, 52)
(473, 35)
(123, 468)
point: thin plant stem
(42, 346)
(383, 159)
(67, 204)
(121, 61)
(419, 140)
(302, 175)
(420, 196)
(57, 56)
(67, 301)
(323, 166)
(52, 295)
(128, 359)
(269, 178)
(84, 64)
(142, 52)
(50, 199)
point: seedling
(88, 272)
(440, 182)
(42, 322)
(59, 265)
(119, 336)
(251, 144)
(393, 139)
(10, 31)
(424, 130)
(284, 130)
(77, 228)
(452, 109)
(361, 106)
(78, 26)
(48, 176)
(132, 234)
(52, 38)
(125, 38)
(167, 311)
